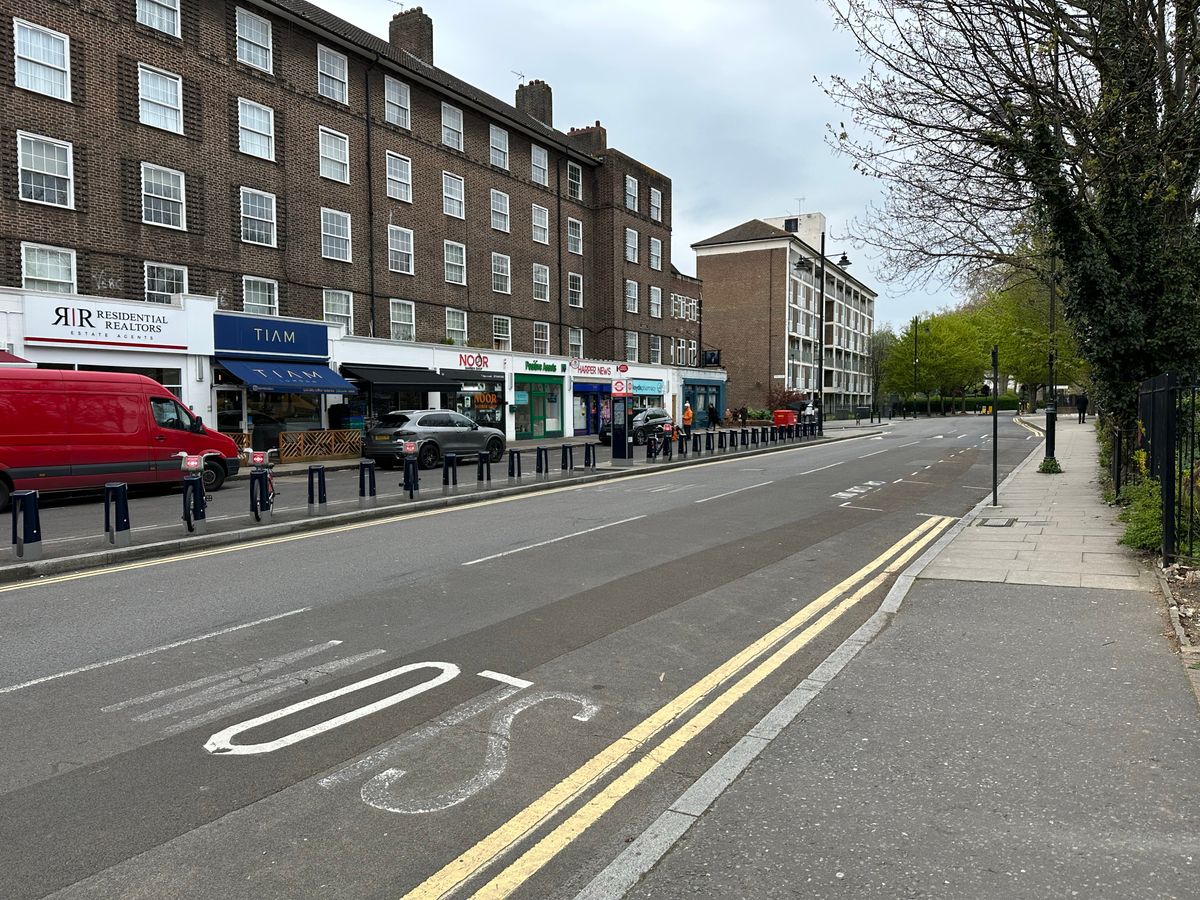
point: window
(575, 236)
(631, 193)
(500, 210)
(163, 201)
(501, 274)
(43, 59)
(335, 155)
(163, 281)
(693, 354)
(332, 74)
(501, 333)
(258, 217)
(574, 181)
(656, 302)
(631, 245)
(575, 342)
(160, 103)
(253, 40)
(541, 224)
(335, 235)
(656, 204)
(541, 338)
(676, 307)
(452, 126)
(256, 129)
(631, 296)
(453, 196)
(399, 177)
(161, 15)
(396, 102)
(339, 308)
(499, 142)
(400, 249)
(575, 289)
(456, 326)
(404, 320)
(455, 258)
(656, 254)
(539, 165)
(681, 354)
(631, 346)
(655, 349)
(47, 269)
(260, 296)
(46, 170)
(541, 282)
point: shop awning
(392, 379)
(276, 377)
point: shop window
(456, 326)
(541, 282)
(396, 102)
(47, 268)
(339, 308)
(575, 342)
(164, 281)
(43, 60)
(253, 40)
(501, 333)
(541, 338)
(404, 320)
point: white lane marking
(219, 743)
(152, 650)
(876, 453)
(909, 444)
(822, 468)
(659, 489)
(842, 495)
(867, 508)
(937, 437)
(1029, 437)
(897, 481)
(378, 792)
(876, 483)
(912, 473)
(561, 537)
(938, 516)
(914, 481)
(506, 679)
(960, 437)
(930, 466)
(738, 491)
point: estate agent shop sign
(89, 323)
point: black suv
(645, 422)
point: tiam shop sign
(89, 323)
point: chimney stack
(535, 99)
(591, 139)
(412, 30)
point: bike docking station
(195, 503)
(367, 496)
(260, 488)
(589, 456)
(450, 473)
(568, 458)
(412, 472)
(542, 463)
(26, 525)
(318, 502)
(622, 440)
(483, 471)
(116, 514)
(514, 466)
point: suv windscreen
(393, 421)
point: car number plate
(383, 438)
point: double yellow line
(468, 865)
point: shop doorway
(538, 412)
(231, 410)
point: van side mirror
(197, 426)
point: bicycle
(193, 464)
(261, 461)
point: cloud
(718, 96)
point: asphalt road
(402, 707)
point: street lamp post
(916, 321)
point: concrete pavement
(1020, 728)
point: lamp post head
(844, 262)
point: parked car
(435, 432)
(63, 431)
(652, 420)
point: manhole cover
(996, 523)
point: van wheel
(214, 476)
(5, 493)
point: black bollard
(483, 471)
(568, 458)
(709, 445)
(668, 447)
(318, 502)
(195, 504)
(116, 514)
(681, 440)
(541, 462)
(514, 464)
(696, 442)
(412, 477)
(651, 448)
(722, 441)
(449, 471)
(26, 525)
(589, 456)
(366, 484)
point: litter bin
(784, 417)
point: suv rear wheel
(495, 449)
(428, 456)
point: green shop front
(537, 404)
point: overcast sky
(718, 96)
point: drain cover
(996, 523)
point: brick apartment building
(761, 311)
(271, 155)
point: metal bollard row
(366, 484)
(26, 525)
(449, 472)
(116, 514)
(568, 458)
(318, 500)
(483, 471)
(514, 464)
(412, 477)
(589, 456)
(542, 461)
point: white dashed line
(738, 491)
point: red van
(63, 430)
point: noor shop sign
(91, 323)
(266, 337)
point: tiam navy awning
(278, 377)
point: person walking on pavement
(688, 416)
(742, 416)
(1081, 404)
(714, 420)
